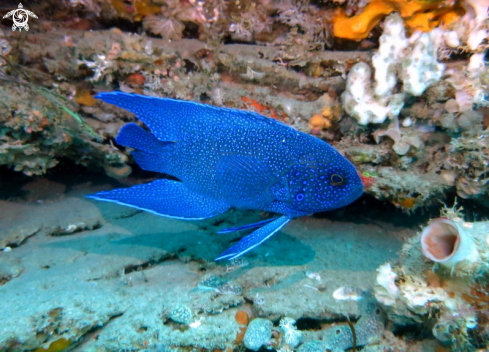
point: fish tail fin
(134, 136)
(148, 147)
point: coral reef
(292, 336)
(181, 314)
(339, 337)
(410, 112)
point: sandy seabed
(103, 277)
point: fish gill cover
(227, 158)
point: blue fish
(227, 158)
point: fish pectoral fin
(254, 239)
(165, 197)
(248, 226)
(245, 181)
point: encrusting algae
(137, 9)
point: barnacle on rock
(168, 28)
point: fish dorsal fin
(168, 118)
(245, 180)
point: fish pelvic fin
(246, 227)
(254, 239)
(166, 198)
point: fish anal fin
(165, 197)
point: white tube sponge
(420, 67)
(416, 56)
(446, 242)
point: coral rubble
(415, 60)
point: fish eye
(299, 197)
(336, 180)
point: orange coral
(407, 203)
(56, 346)
(83, 97)
(241, 317)
(418, 15)
(263, 109)
(317, 122)
(135, 9)
(136, 79)
(325, 120)
(256, 105)
(367, 180)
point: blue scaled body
(227, 158)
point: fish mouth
(296, 213)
